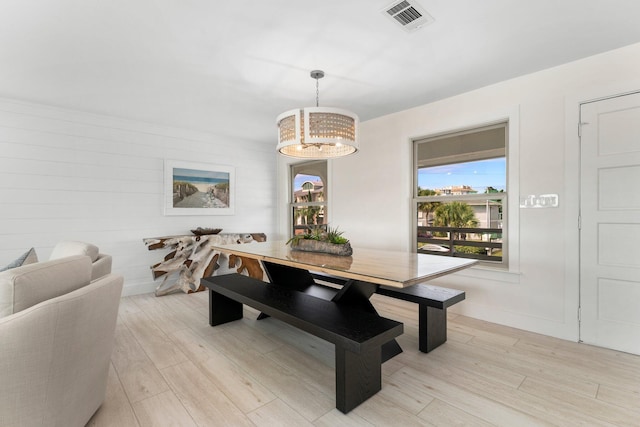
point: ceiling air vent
(409, 15)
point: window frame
(296, 169)
(462, 158)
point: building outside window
(460, 194)
(308, 206)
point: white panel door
(610, 217)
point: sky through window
(478, 175)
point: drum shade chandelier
(317, 132)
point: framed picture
(198, 188)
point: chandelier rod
(317, 74)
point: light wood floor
(170, 368)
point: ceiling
(230, 67)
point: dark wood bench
(358, 335)
(432, 301)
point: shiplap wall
(69, 175)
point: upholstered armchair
(56, 338)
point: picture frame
(192, 188)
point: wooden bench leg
(223, 309)
(358, 293)
(432, 327)
(358, 377)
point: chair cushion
(29, 285)
(26, 258)
(69, 247)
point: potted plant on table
(317, 239)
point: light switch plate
(538, 202)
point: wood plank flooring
(170, 368)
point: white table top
(388, 268)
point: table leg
(296, 278)
(353, 292)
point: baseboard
(138, 288)
(553, 328)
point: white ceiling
(231, 67)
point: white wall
(72, 175)
(540, 292)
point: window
(308, 196)
(460, 194)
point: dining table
(363, 272)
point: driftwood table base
(193, 257)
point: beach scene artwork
(198, 189)
(194, 188)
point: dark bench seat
(432, 301)
(358, 335)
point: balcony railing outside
(304, 219)
(302, 229)
(483, 244)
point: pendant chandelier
(317, 132)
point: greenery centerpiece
(317, 239)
